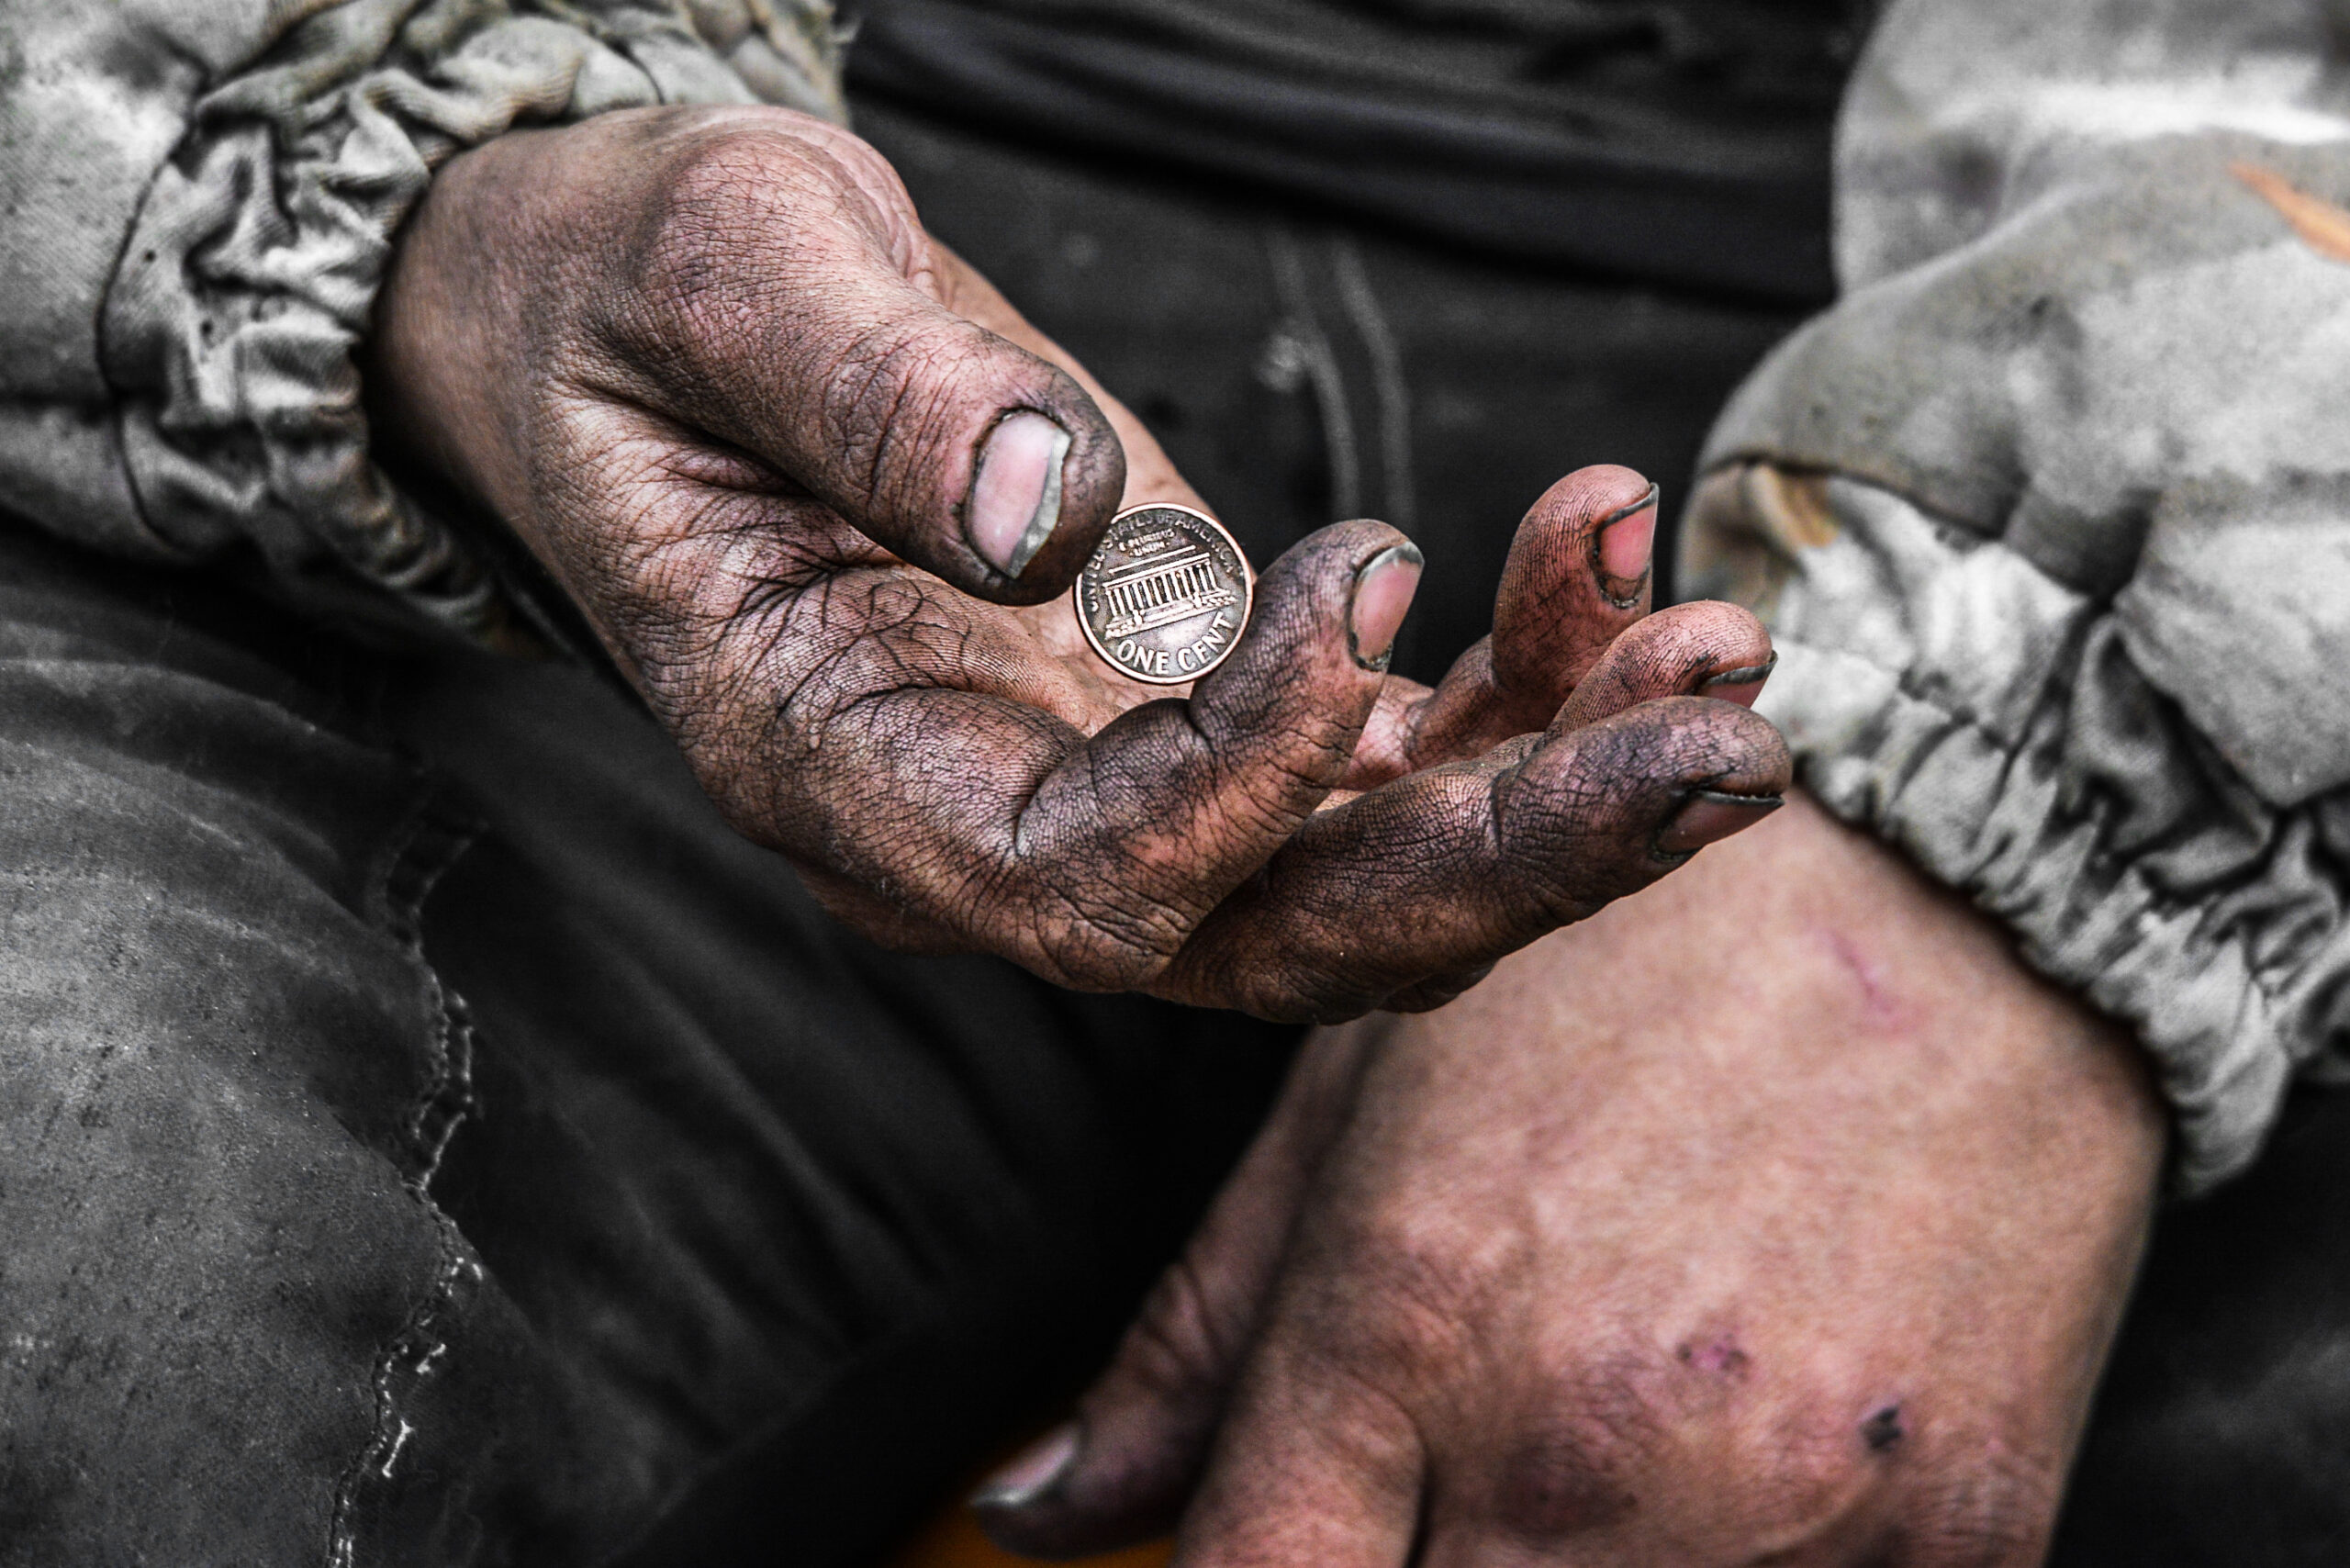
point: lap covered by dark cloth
(431, 1136)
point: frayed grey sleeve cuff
(1943, 691)
(248, 277)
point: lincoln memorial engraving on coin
(1166, 597)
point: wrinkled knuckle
(1093, 942)
(1574, 831)
(715, 191)
(1183, 1341)
(728, 221)
(1265, 801)
(1430, 1271)
(892, 397)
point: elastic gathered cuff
(1945, 693)
(247, 279)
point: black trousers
(426, 1136)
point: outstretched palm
(780, 447)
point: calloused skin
(1776, 1215)
(707, 365)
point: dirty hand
(817, 488)
(1776, 1215)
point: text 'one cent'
(1166, 597)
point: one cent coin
(1166, 597)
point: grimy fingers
(1577, 576)
(1706, 649)
(1690, 650)
(775, 298)
(876, 733)
(1449, 869)
(1151, 475)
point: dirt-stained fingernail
(1740, 686)
(1016, 492)
(1708, 817)
(1035, 1472)
(1624, 546)
(1384, 591)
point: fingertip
(1045, 480)
(960, 451)
(1708, 816)
(1384, 587)
(1578, 574)
(1623, 547)
(1598, 802)
(1705, 649)
(1742, 685)
(1699, 743)
(1325, 618)
(1016, 500)
(1117, 1474)
(1588, 495)
(1033, 1474)
(1052, 1501)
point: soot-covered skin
(789, 457)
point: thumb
(790, 307)
(1122, 1468)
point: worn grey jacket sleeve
(200, 196)
(2050, 515)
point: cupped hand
(821, 491)
(1777, 1215)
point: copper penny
(1165, 598)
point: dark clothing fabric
(431, 1137)
(1682, 141)
(2222, 1435)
